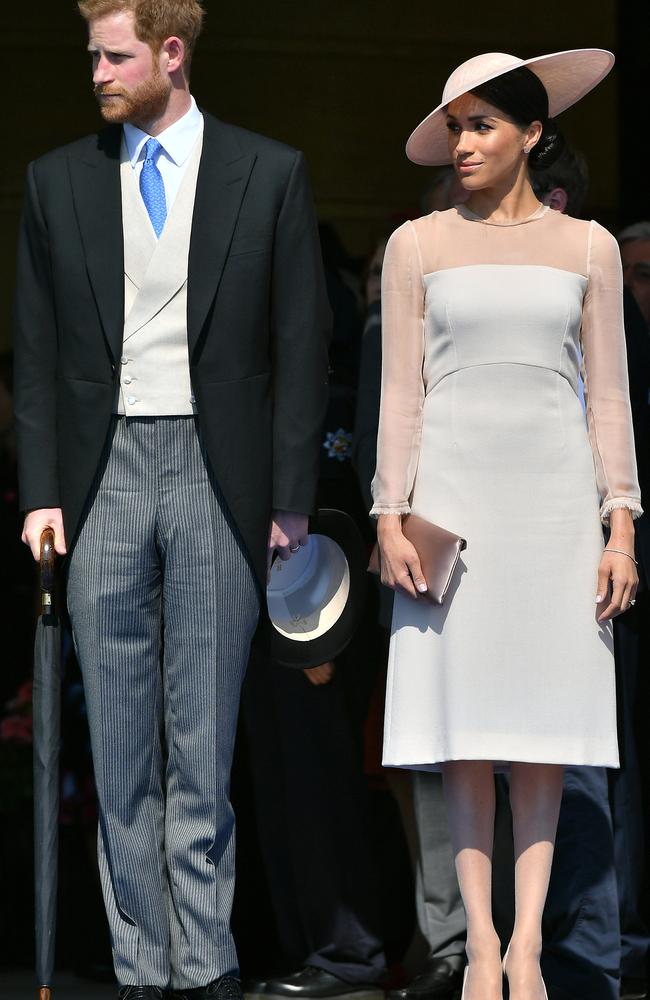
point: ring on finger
(295, 548)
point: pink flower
(22, 698)
(16, 729)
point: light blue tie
(152, 187)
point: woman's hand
(400, 564)
(617, 575)
(618, 572)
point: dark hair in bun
(522, 96)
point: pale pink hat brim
(567, 77)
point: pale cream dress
(482, 431)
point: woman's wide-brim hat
(567, 77)
(315, 599)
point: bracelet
(622, 552)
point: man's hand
(321, 674)
(35, 523)
(288, 531)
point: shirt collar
(177, 140)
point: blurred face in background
(635, 255)
(373, 280)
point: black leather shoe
(139, 993)
(224, 988)
(311, 983)
(440, 978)
(255, 987)
(633, 989)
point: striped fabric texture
(163, 605)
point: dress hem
(502, 765)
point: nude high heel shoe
(505, 976)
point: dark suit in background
(632, 646)
(304, 746)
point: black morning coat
(258, 323)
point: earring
(526, 151)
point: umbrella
(47, 729)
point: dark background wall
(345, 80)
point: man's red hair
(155, 20)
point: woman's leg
(469, 792)
(535, 795)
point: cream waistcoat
(155, 371)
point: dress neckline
(467, 213)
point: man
(634, 242)
(593, 924)
(303, 732)
(171, 329)
(632, 636)
(440, 914)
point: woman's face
(486, 148)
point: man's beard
(139, 106)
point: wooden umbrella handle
(48, 556)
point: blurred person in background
(303, 732)
(593, 918)
(630, 787)
(583, 916)
(444, 191)
(634, 242)
(18, 597)
(563, 186)
(436, 956)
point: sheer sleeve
(402, 386)
(605, 375)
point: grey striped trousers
(163, 605)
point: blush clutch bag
(438, 550)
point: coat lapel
(222, 180)
(98, 201)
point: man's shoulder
(273, 150)
(89, 146)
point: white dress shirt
(177, 143)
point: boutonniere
(338, 444)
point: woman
(487, 310)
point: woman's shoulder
(568, 225)
(600, 245)
(584, 229)
(417, 239)
(589, 238)
(428, 229)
